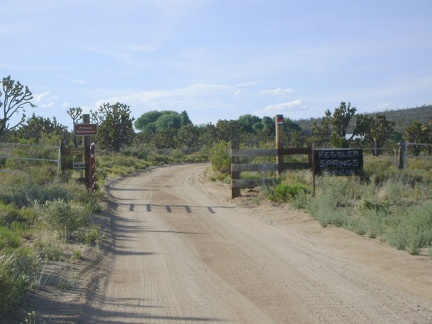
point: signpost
(86, 130)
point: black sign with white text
(341, 162)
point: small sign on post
(85, 129)
(78, 165)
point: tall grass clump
(413, 229)
(62, 217)
(18, 273)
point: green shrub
(220, 157)
(413, 231)
(8, 239)
(283, 191)
(18, 273)
(50, 246)
(324, 210)
(25, 195)
(63, 217)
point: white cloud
(283, 106)
(193, 91)
(276, 92)
(48, 105)
(41, 96)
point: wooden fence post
(235, 191)
(313, 161)
(279, 143)
(402, 155)
(86, 158)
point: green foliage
(220, 157)
(284, 192)
(338, 142)
(26, 195)
(17, 274)
(334, 123)
(396, 208)
(38, 129)
(153, 121)
(376, 130)
(63, 217)
(8, 239)
(412, 229)
(116, 126)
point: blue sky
(219, 59)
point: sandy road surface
(184, 253)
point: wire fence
(30, 152)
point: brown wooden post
(279, 143)
(402, 155)
(235, 191)
(313, 168)
(86, 158)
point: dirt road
(184, 252)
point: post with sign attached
(86, 141)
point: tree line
(167, 129)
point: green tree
(249, 123)
(207, 135)
(75, 113)
(185, 120)
(13, 100)
(116, 126)
(375, 130)
(268, 131)
(36, 127)
(168, 121)
(188, 137)
(414, 133)
(220, 157)
(333, 129)
(165, 138)
(227, 130)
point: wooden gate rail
(236, 167)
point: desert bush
(412, 229)
(49, 245)
(62, 217)
(220, 157)
(324, 209)
(284, 192)
(18, 273)
(9, 239)
(397, 209)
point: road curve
(184, 253)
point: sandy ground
(181, 251)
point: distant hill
(401, 117)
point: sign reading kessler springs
(85, 129)
(343, 162)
